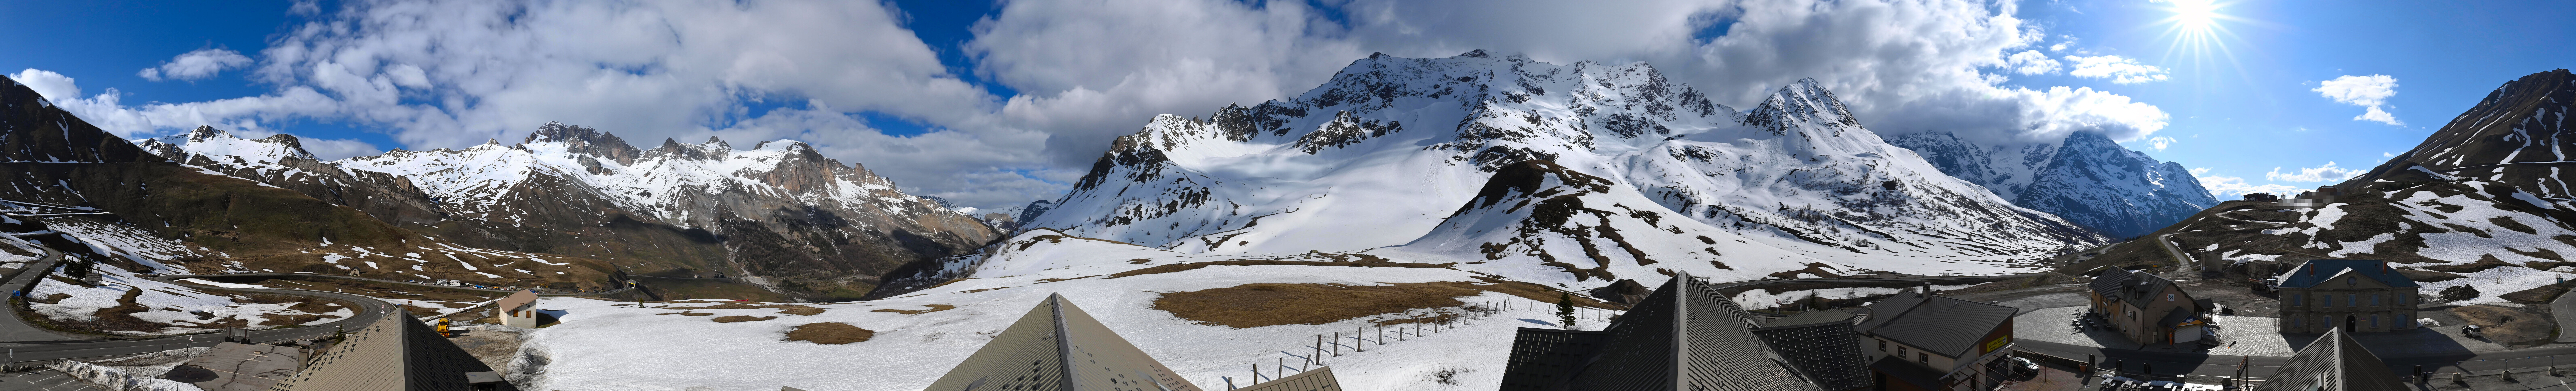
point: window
(2329, 299)
(2169, 297)
(1900, 352)
(2298, 300)
(1882, 345)
(2353, 299)
(2374, 321)
(1923, 358)
(2351, 280)
(2374, 299)
(2296, 322)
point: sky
(993, 104)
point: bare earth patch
(2510, 326)
(830, 333)
(933, 308)
(742, 318)
(687, 313)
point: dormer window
(2169, 297)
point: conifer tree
(1565, 309)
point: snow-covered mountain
(2086, 179)
(779, 210)
(1388, 151)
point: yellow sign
(1997, 343)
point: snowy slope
(605, 345)
(1540, 222)
(1388, 149)
(2087, 179)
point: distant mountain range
(2087, 179)
(1595, 172)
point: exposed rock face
(162, 216)
(2087, 179)
(1350, 166)
(281, 160)
(812, 227)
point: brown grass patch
(1362, 261)
(742, 318)
(981, 290)
(1139, 261)
(800, 310)
(830, 333)
(1257, 305)
(933, 308)
(2509, 326)
(1048, 280)
(725, 306)
(687, 313)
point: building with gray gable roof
(2353, 294)
(2139, 304)
(2334, 363)
(1919, 341)
(1684, 336)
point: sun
(2196, 29)
(2195, 15)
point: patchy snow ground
(185, 310)
(608, 345)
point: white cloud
(2370, 92)
(2032, 62)
(454, 73)
(2225, 187)
(2325, 173)
(199, 64)
(2118, 69)
(2160, 142)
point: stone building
(2147, 309)
(2353, 294)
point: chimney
(2312, 271)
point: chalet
(2147, 309)
(519, 309)
(1919, 341)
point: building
(2263, 197)
(1684, 336)
(1821, 345)
(519, 309)
(2353, 294)
(2334, 363)
(395, 353)
(2145, 308)
(1055, 347)
(1919, 341)
(1319, 379)
(2311, 199)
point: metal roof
(1810, 318)
(1055, 339)
(395, 353)
(2110, 282)
(1684, 336)
(1943, 325)
(2335, 362)
(2314, 271)
(516, 300)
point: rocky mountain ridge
(1389, 149)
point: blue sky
(994, 104)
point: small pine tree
(1565, 308)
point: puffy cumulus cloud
(2370, 92)
(2118, 69)
(456, 73)
(2325, 173)
(199, 64)
(2032, 62)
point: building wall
(2306, 310)
(2138, 324)
(524, 316)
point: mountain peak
(1803, 102)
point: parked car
(2472, 331)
